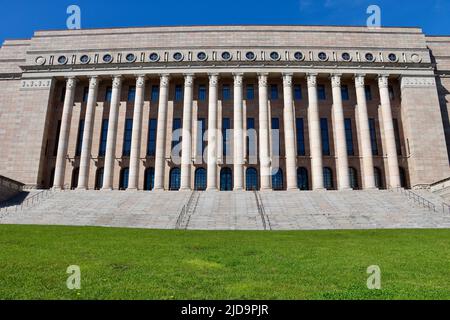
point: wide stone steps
(287, 210)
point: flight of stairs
(286, 210)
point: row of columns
(315, 140)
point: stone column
(136, 135)
(60, 167)
(289, 133)
(212, 132)
(111, 139)
(238, 133)
(186, 146)
(315, 138)
(340, 141)
(264, 154)
(368, 175)
(393, 177)
(160, 157)
(85, 157)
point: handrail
(445, 208)
(262, 211)
(28, 203)
(183, 211)
(416, 198)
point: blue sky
(19, 19)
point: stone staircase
(286, 210)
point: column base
(131, 190)
(214, 189)
(82, 189)
(320, 190)
(371, 189)
(185, 189)
(292, 189)
(346, 189)
(107, 189)
(57, 189)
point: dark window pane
(397, 137)
(368, 90)
(149, 179)
(126, 150)
(302, 179)
(226, 179)
(373, 136)
(200, 182)
(325, 137)
(80, 138)
(178, 93)
(175, 179)
(201, 130)
(274, 92)
(300, 137)
(85, 94)
(250, 92)
(58, 131)
(345, 93)
(201, 93)
(349, 137)
(108, 94)
(321, 92)
(155, 93)
(251, 179)
(176, 126)
(226, 94)
(103, 138)
(277, 181)
(225, 143)
(151, 140)
(131, 93)
(298, 92)
(328, 178)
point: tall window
(378, 178)
(226, 179)
(201, 92)
(178, 92)
(124, 175)
(200, 181)
(250, 92)
(226, 92)
(225, 142)
(155, 93)
(391, 93)
(201, 130)
(353, 175)
(368, 91)
(85, 94)
(328, 178)
(277, 180)
(103, 138)
(175, 179)
(322, 95)
(373, 136)
(397, 137)
(131, 93)
(274, 92)
(344, 93)
(75, 175)
(302, 179)
(80, 138)
(251, 148)
(300, 137)
(325, 136)
(126, 150)
(251, 179)
(151, 140)
(349, 137)
(58, 131)
(298, 92)
(99, 179)
(176, 126)
(149, 179)
(108, 94)
(63, 95)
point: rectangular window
(201, 130)
(126, 150)
(85, 94)
(250, 128)
(108, 94)
(58, 131)
(321, 92)
(225, 142)
(103, 138)
(274, 92)
(344, 92)
(178, 93)
(250, 92)
(397, 137)
(373, 136)
(131, 93)
(151, 140)
(201, 92)
(176, 126)
(63, 94)
(79, 138)
(391, 93)
(368, 90)
(325, 137)
(349, 137)
(298, 92)
(155, 93)
(226, 92)
(301, 151)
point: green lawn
(153, 264)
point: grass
(155, 264)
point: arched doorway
(175, 179)
(378, 178)
(328, 178)
(302, 179)
(149, 179)
(200, 182)
(277, 180)
(226, 179)
(74, 183)
(124, 175)
(403, 179)
(353, 175)
(99, 179)
(251, 179)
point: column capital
(164, 80)
(287, 79)
(117, 81)
(336, 80)
(189, 79)
(262, 79)
(213, 79)
(140, 81)
(71, 82)
(312, 80)
(360, 80)
(93, 82)
(383, 80)
(238, 78)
